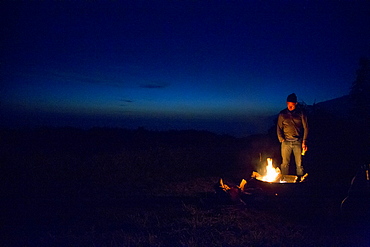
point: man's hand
(304, 146)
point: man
(292, 131)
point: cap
(292, 98)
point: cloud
(127, 100)
(71, 76)
(77, 77)
(155, 85)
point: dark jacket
(292, 125)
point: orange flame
(272, 173)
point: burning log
(304, 177)
(273, 183)
(273, 175)
(259, 186)
(231, 193)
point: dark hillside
(67, 186)
(339, 143)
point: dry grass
(161, 195)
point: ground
(59, 194)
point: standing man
(292, 131)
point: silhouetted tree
(359, 94)
(360, 89)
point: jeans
(287, 147)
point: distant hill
(339, 106)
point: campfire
(272, 182)
(273, 175)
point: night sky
(222, 66)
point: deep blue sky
(222, 66)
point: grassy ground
(82, 190)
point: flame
(223, 186)
(272, 173)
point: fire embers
(281, 178)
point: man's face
(291, 105)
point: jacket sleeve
(305, 127)
(279, 128)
